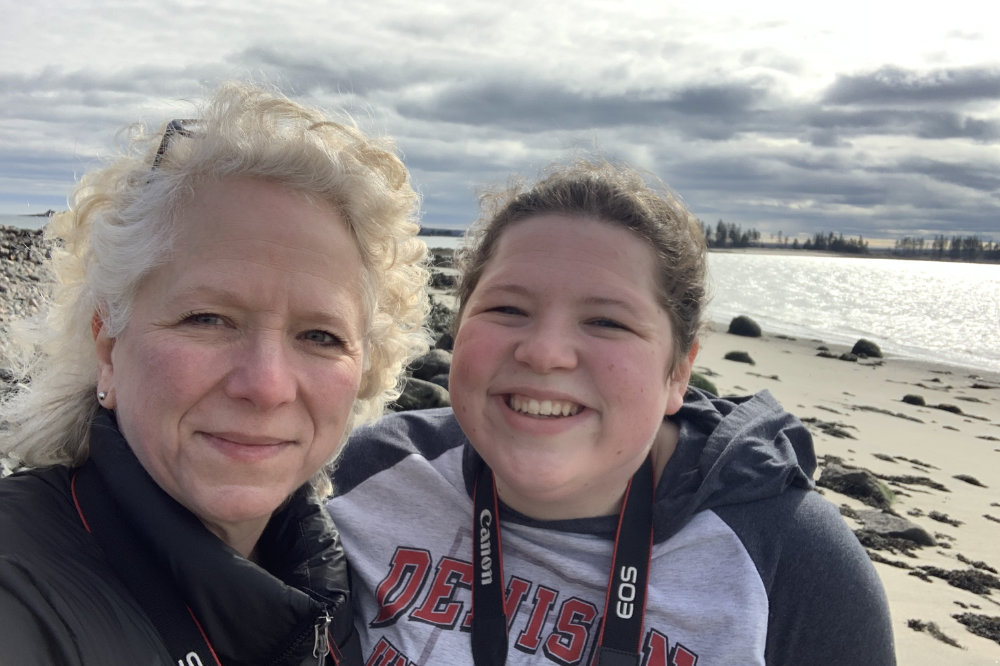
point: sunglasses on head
(178, 126)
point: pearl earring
(101, 396)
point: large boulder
(858, 483)
(439, 321)
(441, 258)
(744, 326)
(699, 380)
(739, 357)
(887, 524)
(866, 349)
(441, 380)
(445, 341)
(433, 363)
(420, 394)
(441, 280)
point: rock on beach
(23, 277)
(24, 280)
(24, 283)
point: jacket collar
(251, 614)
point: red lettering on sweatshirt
(568, 640)
(439, 607)
(683, 657)
(449, 595)
(529, 639)
(385, 654)
(402, 585)
(656, 652)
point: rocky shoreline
(23, 278)
(24, 283)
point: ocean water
(938, 311)
(23, 221)
(927, 310)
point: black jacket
(62, 602)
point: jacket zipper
(321, 641)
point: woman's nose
(546, 346)
(262, 373)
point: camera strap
(619, 641)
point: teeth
(525, 405)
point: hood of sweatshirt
(730, 451)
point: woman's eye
(324, 338)
(608, 323)
(507, 309)
(203, 319)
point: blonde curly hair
(120, 226)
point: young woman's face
(235, 376)
(560, 376)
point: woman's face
(235, 376)
(561, 371)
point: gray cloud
(923, 123)
(983, 177)
(305, 73)
(761, 132)
(894, 85)
(531, 105)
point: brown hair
(616, 194)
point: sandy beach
(856, 413)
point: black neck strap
(619, 642)
(177, 625)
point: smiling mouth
(236, 439)
(547, 408)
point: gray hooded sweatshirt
(749, 564)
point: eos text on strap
(620, 636)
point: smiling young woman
(566, 313)
(579, 504)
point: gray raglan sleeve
(827, 605)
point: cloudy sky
(879, 118)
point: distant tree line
(942, 248)
(730, 235)
(956, 248)
(836, 243)
(433, 231)
(726, 234)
